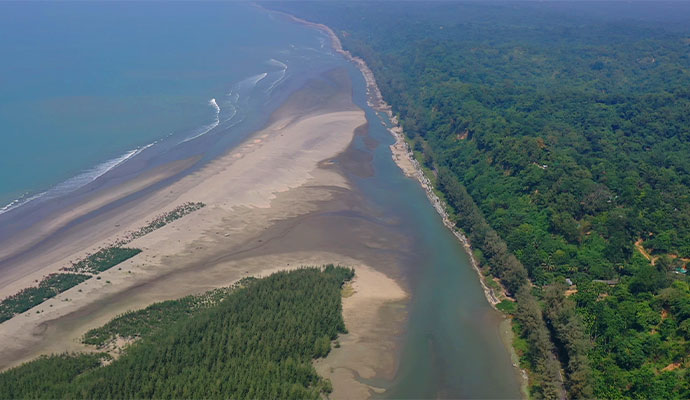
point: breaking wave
(206, 128)
(75, 182)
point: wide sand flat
(279, 158)
(274, 160)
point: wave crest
(75, 182)
(206, 128)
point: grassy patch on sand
(507, 306)
(88, 266)
(103, 260)
(49, 287)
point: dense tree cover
(640, 336)
(493, 254)
(48, 377)
(258, 342)
(49, 287)
(136, 324)
(568, 126)
(571, 338)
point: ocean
(87, 87)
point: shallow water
(67, 123)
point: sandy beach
(263, 201)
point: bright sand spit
(369, 346)
(279, 173)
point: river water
(451, 347)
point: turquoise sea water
(83, 85)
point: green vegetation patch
(47, 376)
(507, 306)
(164, 219)
(348, 291)
(49, 287)
(83, 269)
(103, 259)
(258, 342)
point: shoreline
(279, 200)
(13, 276)
(401, 152)
(403, 157)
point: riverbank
(401, 152)
(404, 158)
(342, 214)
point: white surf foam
(23, 199)
(206, 128)
(77, 181)
(94, 173)
(277, 63)
(280, 74)
(251, 82)
(261, 77)
(278, 81)
(213, 104)
(231, 114)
